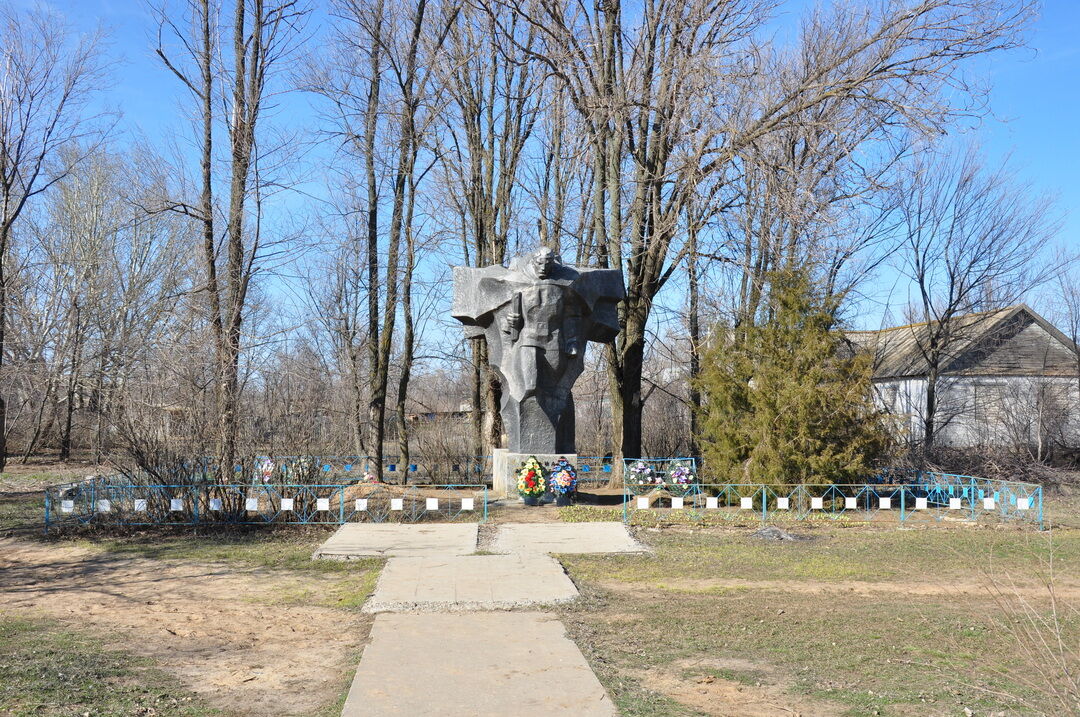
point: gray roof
(1014, 341)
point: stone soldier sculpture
(536, 317)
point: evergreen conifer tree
(787, 400)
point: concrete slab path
(473, 582)
(564, 538)
(361, 540)
(509, 663)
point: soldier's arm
(514, 320)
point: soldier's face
(543, 262)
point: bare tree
(47, 80)
(971, 242)
(380, 114)
(672, 94)
(1067, 310)
(97, 278)
(487, 125)
(263, 35)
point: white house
(1006, 378)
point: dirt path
(769, 697)
(217, 628)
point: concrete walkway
(473, 582)
(364, 540)
(457, 663)
(564, 538)
(487, 663)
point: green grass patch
(22, 511)
(47, 669)
(693, 518)
(838, 555)
(588, 514)
(263, 546)
(36, 480)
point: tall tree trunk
(931, 407)
(103, 405)
(241, 140)
(357, 388)
(205, 94)
(400, 217)
(407, 338)
(5, 236)
(69, 409)
(693, 321)
(374, 414)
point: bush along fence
(906, 497)
(118, 501)
(418, 470)
(332, 469)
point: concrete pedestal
(504, 465)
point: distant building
(1007, 378)
(461, 415)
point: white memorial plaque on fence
(988, 503)
(251, 504)
(642, 503)
(286, 503)
(782, 503)
(817, 503)
(397, 504)
(361, 503)
(176, 505)
(676, 503)
(746, 503)
(432, 504)
(322, 504)
(104, 506)
(215, 504)
(140, 505)
(66, 506)
(850, 503)
(885, 503)
(466, 503)
(1023, 503)
(920, 504)
(954, 504)
(712, 502)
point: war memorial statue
(536, 317)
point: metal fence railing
(935, 497)
(593, 470)
(105, 501)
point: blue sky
(1036, 102)
(1034, 97)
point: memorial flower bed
(562, 482)
(530, 481)
(680, 479)
(642, 478)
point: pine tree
(787, 400)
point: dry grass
(856, 621)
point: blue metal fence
(593, 470)
(935, 497)
(117, 501)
